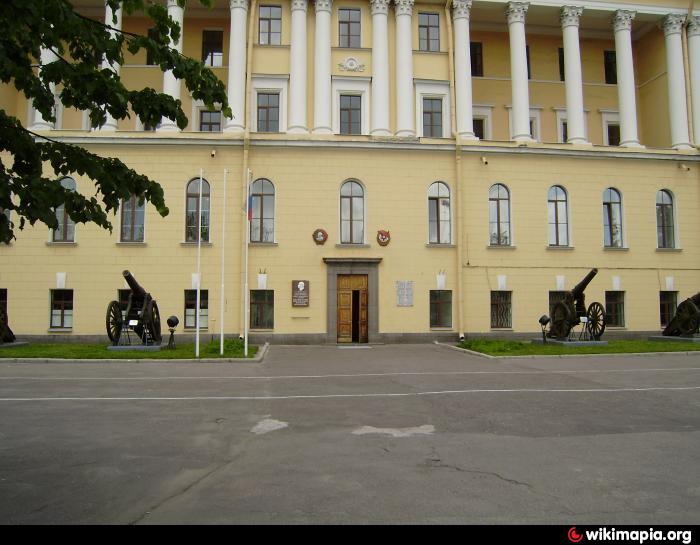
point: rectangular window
(191, 309)
(561, 64)
(554, 298)
(668, 302)
(209, 121)
(610, 62)
(262, 309)
(527, 55)
(479, 128)
(440, 308)
(615, 308)
(152, 35)
(350, 110)
(428, 32)
(432, 117)
(213, 47)
(268, 112)
(133, 211)
(501, 309)
(564, 131)
(61, 309)
(613, 134)
(349, 27)
(270, 25)
(477, 58)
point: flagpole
(223, 264)
(246, 312)
(199, 265)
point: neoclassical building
(416, 170)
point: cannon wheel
(561, 321)
(114, 322)
(687, 316)
(596, 320)
(152, 319)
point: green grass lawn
(515, 348)
(233, 348)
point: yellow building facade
(425, 170)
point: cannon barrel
(696, 299)
(136, 288)
(583, 284)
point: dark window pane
(501, 310)
(610, 63)
(477, 59)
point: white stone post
(694, 62)
(626, 90)
(672, 26)
(379, 113)
(573, 80)
(38, 121)
(463, 69)
(297, 69)
(171, 85)
(237, 65)
(515, 12)
(404, 69)
(111, 123)
(322, 67)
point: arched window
(439, 214)
(262, 225)
(352, 213)
(66, 226)
(194, 208)
(664, 220)
(133, 211)
(612, 218)
(558, 216)
(499, 215)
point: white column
(297, 69)
(405, 119)
(322, 67)
(38, 121)
(573, 80)
(379, 122)
(171, 85)
(626, 90)
(515, 12)
(677, 100)
(463, 69)
(111, 123)
(694, 62)
(237, 65)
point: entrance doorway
(352, 308)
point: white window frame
(121, 204)
(358, 86)
(563, 116)
(485, 112)
(609, 117)
(337, 25)
(623, 219)
(433, 89)
(340, 214)
(223, 46)
(198, 107)
(274, 218)
(269, 84)
(535, 117)
(676, 230)
(427, 206)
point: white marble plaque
(404, 293)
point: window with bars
(428, 32)
(440, 308)
(476, 51)
(665, 235)
(262, 309)
(668, 302)
(262, 224)
(610, 66)
(132, 215)
(270, 25)
(558, 216)
(66, 226)
(432, 117)
(268, 112)
(213, 48)
(191, 309)
(612, 218)
(350, 114)
(615, 308)
(61, 309)
(352, 213)
(499, 216)
(195, 208)
(439, 223)
(209, 121)
(349, 27)
(501, 310)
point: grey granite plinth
(140, 347)
(679, 339)
(571, 343)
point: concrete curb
(464, 350)
(262, 352)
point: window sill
(500, 247)
(441, 328)
(274, 46)
(130, 243)
(669, 250)
(194, 329)
(616, 249)
(501, 329)
(349, 245)
(53, 243)
(560, 248)
(341, 48)
(263, 244)
(261, 330)
(60, 330)
(195, 244)
(435, 245)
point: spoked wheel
(153, 322)
(687, 318)
(114, 322)
(561, 321)
(596, 321)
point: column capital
(302, 5)
(672, 24)
(323, 5)
(403, 7)
(238, 4)
(461, 9)
(516, 11)
(570, 16)
(622, 20)
(380, 7)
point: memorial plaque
(404, 293)
(300, 293)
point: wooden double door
(352, 308)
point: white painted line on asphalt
(267, 425)
(396, 432)
(360, 375)
(336, 396)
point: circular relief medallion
(383, 237)
(320, 236)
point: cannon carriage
(6, 335)
(686, 320)
(142, 316)
(572, 311)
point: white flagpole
(223, 247)
(247, 292)
(199, 265)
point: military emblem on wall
(383, 237)
(320, 236)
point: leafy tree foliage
(81, 44)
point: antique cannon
(568, 313)
(687, 318)
(6, 335)
(141, 315)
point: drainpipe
(686, 67)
